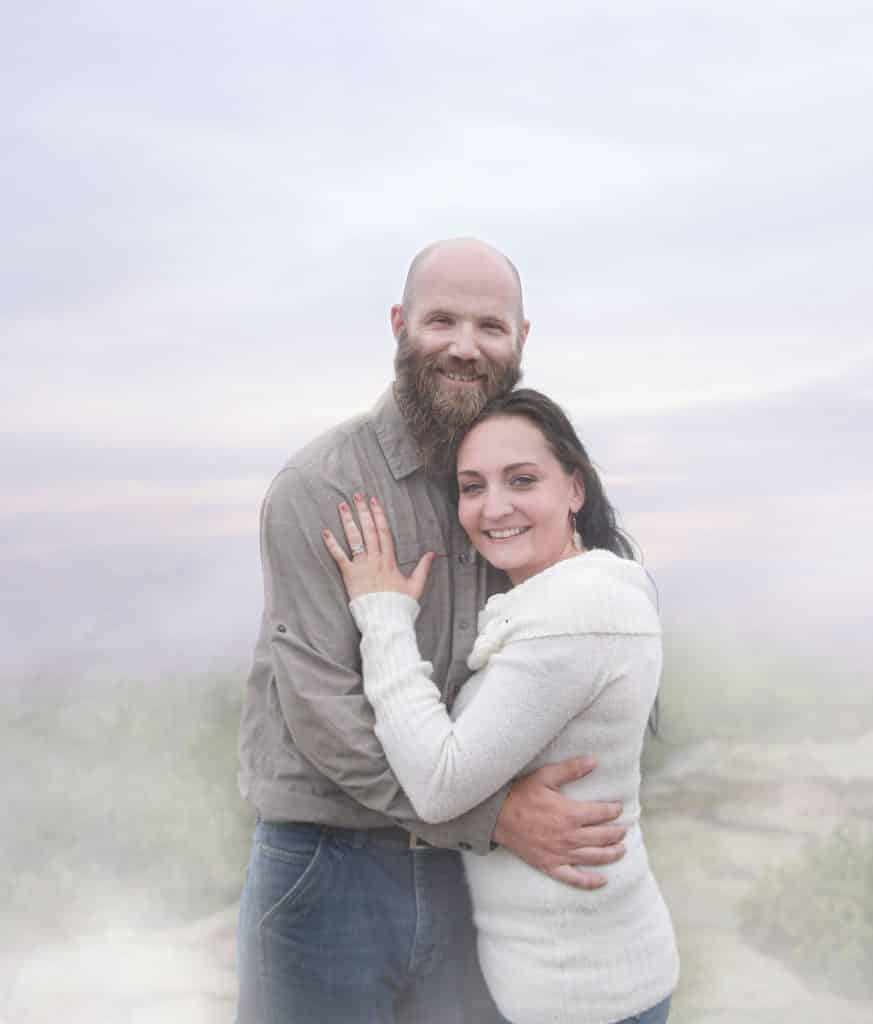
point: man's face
(459, 337)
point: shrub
(125, 806)
(818, 912)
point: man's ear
(398, 320)
(523, 333)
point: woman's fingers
(353, 534)
(419, 575)
(386, 539)
(368, 527)
(336, 552)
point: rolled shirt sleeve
(314, 653)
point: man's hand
(554, 833)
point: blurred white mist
(208, 210)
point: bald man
(354, 910)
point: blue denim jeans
(654, 1015)
(339, 926)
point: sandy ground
(717, 815)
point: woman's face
(515, 498)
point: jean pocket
(288, 863)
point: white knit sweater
(566, 663)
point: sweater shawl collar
(596, 592)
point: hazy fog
(208, 210)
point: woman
(566, 662)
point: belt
(393, 837)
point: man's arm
(314, 647)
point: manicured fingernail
(374, 501)
(325, 534)
(343, 507)
(358, 498)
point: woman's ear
(577, 492)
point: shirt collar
(397, 443)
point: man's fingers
(595, 835)
(578, 879)
(580, 816)
(556, 775)
(596, 856)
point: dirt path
(717, 815)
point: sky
(208, 210)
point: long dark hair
(596, 520)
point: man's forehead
(483, 284)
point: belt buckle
(417, 843)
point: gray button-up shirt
(307, 747)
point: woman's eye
(470, 488)
(523, 481)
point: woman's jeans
(352, 927)
(654, 1015)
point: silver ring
(358, 549)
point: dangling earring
(577, 539)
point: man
(353, 910)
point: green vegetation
(818, 913)
(124, 804)
(718, 686)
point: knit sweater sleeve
(525, 696)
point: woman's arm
(526, 694)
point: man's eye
(440, 320)
(493, 326)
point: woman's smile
(515, 498)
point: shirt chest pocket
(409, 549)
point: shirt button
(464, 624)
(465, 846)
(281, 629)
(464, 557)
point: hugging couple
(442, 728)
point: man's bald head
(460, 330)
(459, 255)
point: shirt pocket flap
(410, 549)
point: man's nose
(465, 344)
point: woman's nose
(496, 504)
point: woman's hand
(372, 567)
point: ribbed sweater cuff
(384, 608)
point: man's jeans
(339, 926)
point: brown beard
(436, 417)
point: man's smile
(462, 378)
